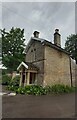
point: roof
(31, 65)
(54, 46)
(27, 65)
(44, 42)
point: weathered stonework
(53, 64)
(56, 67)
(73, 67)
(35, 55)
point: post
(25, 79)
(20, 79)
(28, 78)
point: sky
(44, 17)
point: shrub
(39, 90)
(4, 71)
(6, 79)
(20, 90)
(12, 88)
(62, 89)
(35, 90)
(15, 81)
(31, 90)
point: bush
(15, 81)
(62, 89)
(4, 71)
(12, 88)
(20, 90)
(39, 90)
(29, 89)
(6, 79)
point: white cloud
(38, 0)
(0, 15)
(44, 17)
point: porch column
(20, 79)
(25, 80)
(28, 78)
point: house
(46, 63)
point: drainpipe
(70, 71)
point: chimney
(36, 34)
(57, 38)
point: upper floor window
(33, 54)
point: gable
(27, 66)
(34, 51)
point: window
(34, 54)
(31, 50)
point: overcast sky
(41, 16)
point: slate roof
(54, 46)
(44, 42)
(31, 66)
(28, 66)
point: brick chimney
(36, 34)
(57, 38)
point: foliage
(6, 79)
(62, 89)
(4, 71)
(12, 88)
(71, 45)
(15, 81)
(39, 90)
(12, 48)
(31, 90)
(0, 50)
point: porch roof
(27, 65)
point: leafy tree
(12, 48)
(0, 48)
(71, 46)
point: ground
(45, 106)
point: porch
(28, 74)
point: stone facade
(56, 67)
(35, 55)
(73, 68)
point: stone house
(46, 63)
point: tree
(0, 48)
(12, 48)
(71, 45)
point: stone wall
(56, 67)
(73, 67)
(53, 65)
(35, 52)
(35, 55)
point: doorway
(32, 78)
(23, 79)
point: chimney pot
(56, 30)
(36, 34)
